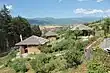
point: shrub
(38, 63)
(63, 45)
(59, 46)
(96, 67)
(74, 55)
(47, 64)
(55, 65)
(46, 49)
(73, 58)
(12, 54)
(99, 63)
(18, 65)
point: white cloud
(89, 0)
(9, 7)
(92, 12)
(100, 0)
(107, 11)
(87, 11)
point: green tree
(5, 20)
(19, 26)
(96, 28)
(2, 41)
(74, 54)
(106, 26)
(36, 30)
(77, 32)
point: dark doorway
(25, 49)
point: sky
(58, 8)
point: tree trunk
(7, 44)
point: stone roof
(50, 33)
(81, 27)
(33, 40)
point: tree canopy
(12, 27)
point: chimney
(21, 37)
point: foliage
(106, 26)
(7, 58)
(52, 64)
(11, 28)
(12, 54)
(38, 63)
(74, 55)
(19, 26)
(46, 64)
(77, 32)
(5, 20)
(36, 30)
(63, 45)
(68, 34)
(96, 67)
(100, 62)
(59, 46)
(46, 49)
(57, 64)
(18, 65)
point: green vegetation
(100, 62)
(60, 56)
(4, 60)
(18, 65)
(11, 28)
(53, 63)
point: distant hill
(61, 21)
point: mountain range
(62, 21)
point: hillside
(61, 21)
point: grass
(4, 59)
(7, 70)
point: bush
(58, 63)
(12, 54)
(47, 64)
(99, 63)
(63, 45)
(73, 58)
(74, 55)
(38, 63)
(18, 65)
(59, 46)
(46, 49)
(96, 67)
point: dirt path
(81, 69)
